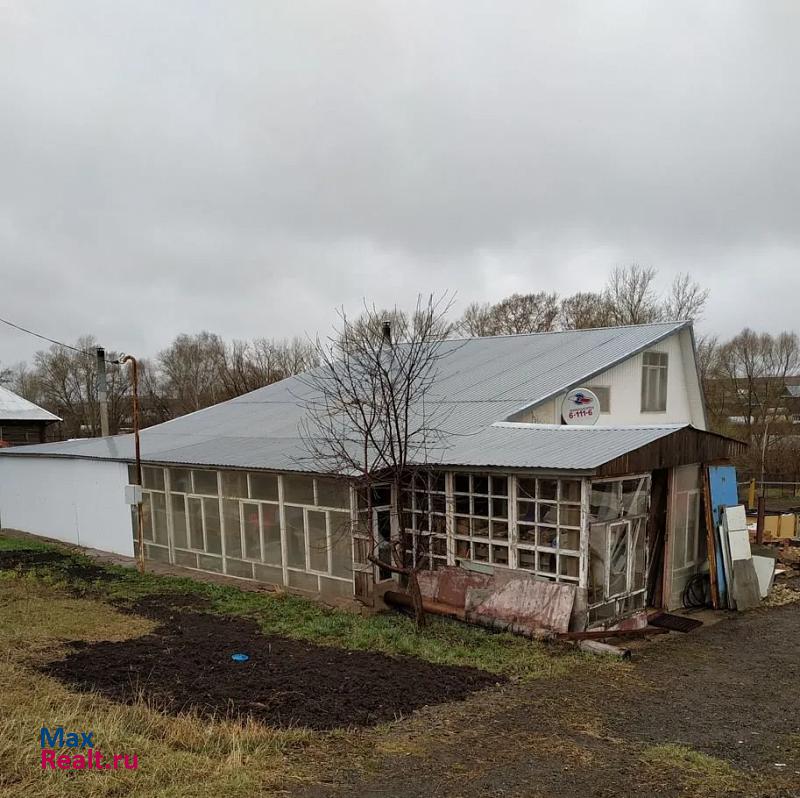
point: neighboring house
(612, 510)
(22, 421)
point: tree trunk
(416, 600)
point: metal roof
(15, 408)
(481, 381)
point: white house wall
(684, 398)
(76, 501)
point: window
(654, 382)
(603, 394)
(424, 504)
(617, 547)
(549, 527)
(481, 517)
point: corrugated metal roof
(481, 381)
(15, 408)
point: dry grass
(698, 774)
(178, 756)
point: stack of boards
(748, 576)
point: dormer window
(654, 382)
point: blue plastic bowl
(240, 657)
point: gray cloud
(246, 167)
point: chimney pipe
(387, 332)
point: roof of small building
(482, 382)
(15, 408)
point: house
(22, 421)
(613, 511)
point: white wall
(684, 400)
(77, 501)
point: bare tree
(751, 374)
(518, 313)
(686, 299)
(584, 310)
(191, 368)
(372, 415)
(631, 295)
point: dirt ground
(185, 665)
(730, 691)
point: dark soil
(731, 690)
(185, 665)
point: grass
(178, 756)
(442, 642)
(182, 756)
(697, 773)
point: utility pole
(102, 390)
(138, 454)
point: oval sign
(580, 406)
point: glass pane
(547, 562)
(153, 478)
(480, 527)
(234, 484)
(270, 519)
(463, 550)
(527, 534)
(526, 511)
(205, 482)
(264, 486)
(634, 496)
(570, 490)
(500, 508)
(252, 532)
(295, 537)
(481, 552)
(605, 504)
(233, 528)
(317, 541)
(333, 493)
(438, 482)
(639, 538)
(500, 555)
(526, 488)
(480, 506)
(527, 559)
(147, 517)
(618, 559)
(180, 480)
(196, 524)
(462, 505)
(548, 513)
(297, 489)
(548, 537)
(382, 496)
(341, 546)
(662, 388)
(548, 489)
(500, 486)
(567, 566)
(597, 562)
(569, 539)
(499, 530)
(179, 529)
(213, 530)
(159, 505)
(461, 483)
(692, 523)
(569, 515)
(480, 484)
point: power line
(45, 338)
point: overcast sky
(246, 167)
